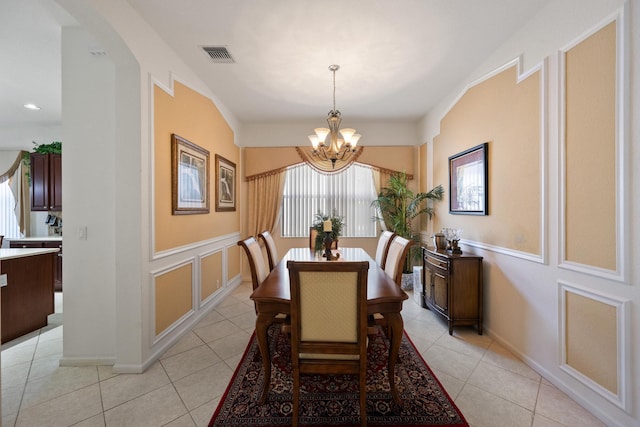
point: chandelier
(337, 148)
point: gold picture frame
(225, 185)
(189, 177)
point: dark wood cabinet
(27, 298)
(46, 182)
(57, 267)
(453, 287)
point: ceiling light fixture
(337, 148)
(31, 106)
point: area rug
(332, 400)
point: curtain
(378, 183)
(264, 200)
(18, 178)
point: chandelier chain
(334, 90)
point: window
(349, 193)
(8, 224)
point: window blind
(348, 193)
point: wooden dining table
(273, 297)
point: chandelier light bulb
(322, 134)
(314, 141)
(354, 140)
(347, 134)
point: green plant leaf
(398, 206)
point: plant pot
(407, 281)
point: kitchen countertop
(23, 252)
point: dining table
(272, 298)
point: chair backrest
(256, 261)
(328, 322)
(270, 245)
(396, 257)
(328, 305)
(313, 233)
(383, 247)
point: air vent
(218, 54)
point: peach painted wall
(210, 274)
(173, 296)
(590, 140)
(591, 339)
(506, 114)
(195, 118)
(233, 261)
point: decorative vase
(407, 281)
(440, 242)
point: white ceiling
(397, 58)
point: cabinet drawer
(23, 244)
(436, 264)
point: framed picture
(468, 172)
(225, 185)
(189, 177)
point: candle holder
(328, 241)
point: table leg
(262, 326)
(396, 328)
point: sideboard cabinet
(453, 287)
(46, 182)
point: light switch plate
(3, 280)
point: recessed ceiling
(397, 59)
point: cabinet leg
(479, 328)
(450, 328)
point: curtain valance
(324, 166)
(5, 175)
(398, 158)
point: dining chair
(383, 247)
(256, 261)
(393, 267)
(270, 246)
(396, 257)
(328, 323)
(259, 273)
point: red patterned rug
(332, 400)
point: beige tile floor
(489, 385)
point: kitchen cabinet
(46, 182)
(453, 287)
(27, 295)
(45, 243)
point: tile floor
(489, 385)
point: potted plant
(398, 207)
(337, 223)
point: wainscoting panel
(592, 160)
(173, 294)
(210, 274)
(594, 341)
